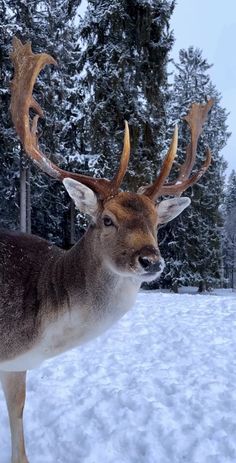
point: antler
(27, 67)
(195, 118)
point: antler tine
(179, 187)
(195, 118)
(27, 66)
(152, 191)
(124, 161)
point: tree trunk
(25, 198)
(72, 223)
(202, 286)
(28, 200)
(222, 270)
(234, 264)
(175, 287)
(23, 201)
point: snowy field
(159, 387)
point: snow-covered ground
(159, 387)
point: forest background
(114, 65)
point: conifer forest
(113, 66)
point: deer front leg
(13, 384)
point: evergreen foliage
(121, 73)
(59, 95)
(192, 243)
(9, 146)
(50, 26)
(113, 66)
(229, 235)
(124, 76)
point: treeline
(112, 66)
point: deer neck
(80, 298)
(91, 283)
(94, 297)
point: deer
(52, 300)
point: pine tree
(229, 236)
(21, 20)
(230, 196)
(50, 27)
(124, 76)
(193, 241)
(9, 146)
(50, 214)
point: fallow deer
(52, 300)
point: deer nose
(149, 259)
(148, 265)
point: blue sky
(211, 26)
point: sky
(211, 26)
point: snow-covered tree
(59, 94)
(193, 241)
(9, 147)
(124, 76)
(229, 237)
(51, 27)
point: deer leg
(13, 384)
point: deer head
(125, 224)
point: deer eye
(108, 222)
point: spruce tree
(9, 146)
(229, 235)
(193, 241)
(124, 76)
(61, 101)
(50, 27)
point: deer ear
(84, 198)
(170, 208)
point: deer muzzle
(150, 260)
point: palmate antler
(195, 118)
(27, 67)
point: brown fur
(40, 284)
(37, 278)
(23, 261)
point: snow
(159, 387)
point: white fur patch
(72, 329)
